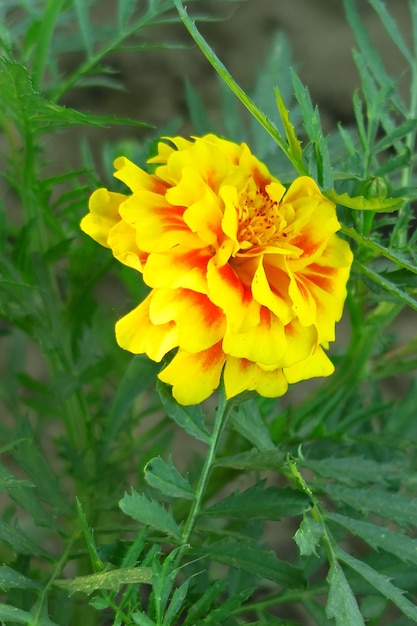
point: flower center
(260, 221)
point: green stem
(223, 410)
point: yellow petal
(301, 342)
(200, 324)
(136, 333)
(136, 178)
(122, 241)
(317, 364)
(194, 377)
(265, 343)
(104, 214)
(242, 375)
(270, 288)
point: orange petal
(242, 375)
(159, 225)
(136, 178)
(136, 333)
(235, 298)
(194, 377)
(180, 267)
(270, 288)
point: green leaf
(142, 619)
(248, 422)
(312, 125)
(392, 30)
(294, 143)
(254, 460)
(111, 580)
(402, 546)
(341, 603)
(353, 469)
(165, 477)
(379, 582)
(386, 285)
(151, 513)
(259, 502)
(20, 542)
(10, 579)
(190, 418)
(139, 375)
(12, 615)
(249, 556)
(369, 243)
(308, 536)
(35, 464)
(360, 203)
(81, 10)
(392, 506)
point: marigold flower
(247, 277)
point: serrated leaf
(10, 579)
(353, 469)
(139, 375)
(190, 418)
(259, 502)
(253, 460)
(293, 142)
(392, 506)
(151, 513)
(341, 603)
(308, 536)
(386, 285)
(166, 478)
(111, 580)
(360, 203)
(142, 620)
(380, 582)
(402, 546)
(248, 422)
(12, 615)
(369, 243)
(249, 556)
(20, 542)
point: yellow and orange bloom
(247, 277)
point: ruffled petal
(181, 267)
(241, 375)
(136, 178)
(159, 225)
(235, 298)
(136, 333)
(199, 322)
(194, 377)
(122, 241)
(104, 214)
(265, 343)
(316, 365)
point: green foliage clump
(121, 506)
